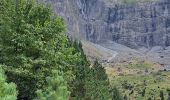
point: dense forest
(39, 62)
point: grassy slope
(135, 72)
(132, 83)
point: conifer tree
(97, 84)
(7, 90)
(56, 90)
(80, 72)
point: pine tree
(80, 72)
(7, 90)
(97, 84)
(56, 90)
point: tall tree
(97, 84)
(32, 45)
(80, 72)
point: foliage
(144, 86)
(97, 83)
(7, 90)
(56, 90)
(127, 85)
(32, 45)
(80, 72)
(90, 83)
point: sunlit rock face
(134, 25)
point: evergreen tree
(80, 72)
(97, 84)
(56, 90)
(7, 90)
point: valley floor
(140, 74)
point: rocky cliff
(139, 24)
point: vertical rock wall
(134, 25)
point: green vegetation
(116, 94)
(7, 90)
(140, 65)
(56, 90)
(40, 59)
(44, 64)
(97, 83)
(142, 87)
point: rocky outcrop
(134, 25)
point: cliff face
(134, 25)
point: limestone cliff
(134, 25)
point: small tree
(7, 90)
(56, 90)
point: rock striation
(135, 25)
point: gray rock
(134, 25)
(156, 49)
